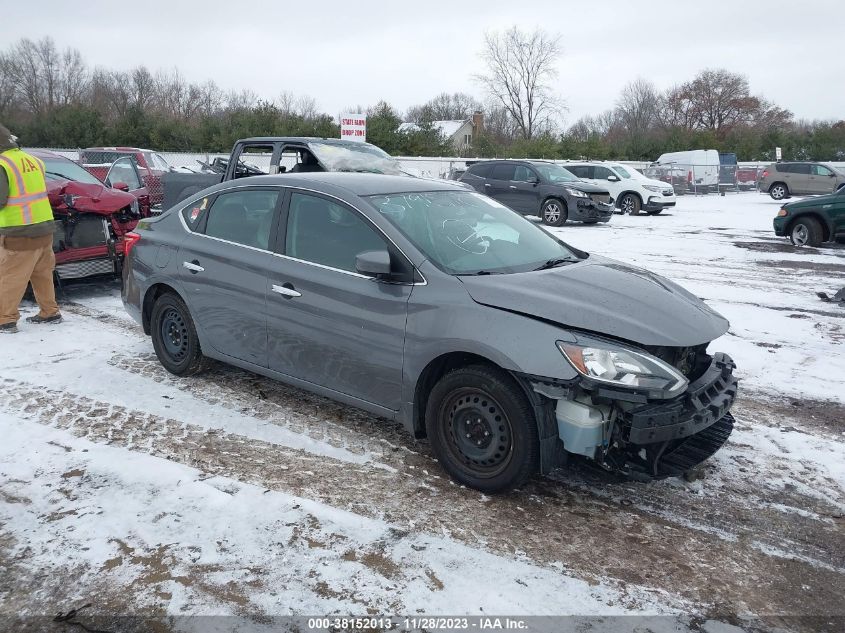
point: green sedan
(811, 221)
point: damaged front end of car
(643, 412)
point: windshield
(465, 233)
(621, 171)
(64, 169)
(361, 157)
(554, 173)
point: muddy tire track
(580, 525)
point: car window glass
(523, 174)
(821, 170)
(123, 170)
(323, 232)
(482, 170)
(159, 162)
(503, 172)
(194, 213)
(621, 171)
(601, 173)
(801, 168)
(244, 217)
(580, 171)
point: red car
(150, 165)
(91, 218)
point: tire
(498, 447)
(630, 204)
(554, 212)
(175, 338)
(589, 222)
(806, 232)
(840, 240)
(655, 212)
(779, 191)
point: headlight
(576, 193)
(654, 188)
(607, 362)
(136, 209)
(783, 213)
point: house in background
(458, 133)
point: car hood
(607, 297)
(816, 201)
(580, 185)
(89, 198)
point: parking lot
(142, 493)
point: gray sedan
(416, 300)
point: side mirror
(534, 180)
(613, 178)
(120, 185)
(373, 263)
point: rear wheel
(175, 338)
(630, 204)
(806, 232)
(778, 191)
(482, 429)
(554, 212)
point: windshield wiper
(479, 273)
(556, 261)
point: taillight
(129, 240)
(765, 174)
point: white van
(701, 167)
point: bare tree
(638, 106)
(301, 106)
(520, 68)
(444, 107)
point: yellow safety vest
(28, 202)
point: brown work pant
(24, 260)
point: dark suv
(541, 188)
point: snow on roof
(447, 128)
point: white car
(632, 191)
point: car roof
(43, 153)
(351, 182)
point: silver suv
(782, 180)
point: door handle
(193, 266)
(286, 290)
(512, 186)
(487, 184)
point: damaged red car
(92, 219)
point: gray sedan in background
(416, 300)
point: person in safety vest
(26, 236)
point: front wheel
(806, 232)
(554, 213)
(175, 338)
(630, 204)
(778, 191)
(482, 429)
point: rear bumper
(705, 402)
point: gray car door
(223, 269)
(500, 181)
(821, 179)
(327, 324)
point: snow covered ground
(229, 494)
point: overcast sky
(347, 53)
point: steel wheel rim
(552, 212)
(174, 335)
(476, 431)
(800, 234)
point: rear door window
(581, 171)
(244, 217)
(194, 213)
(482, 170)
(503, 171)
